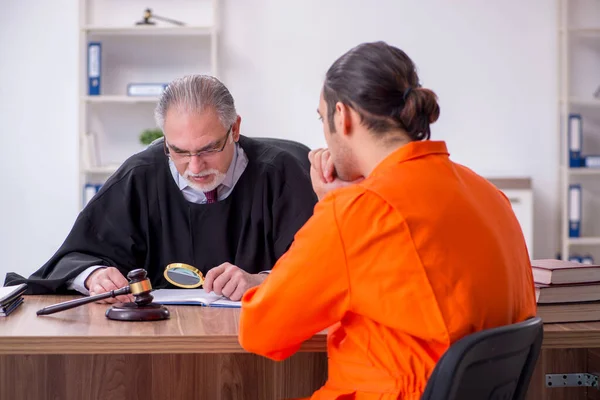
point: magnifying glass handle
(78, 302)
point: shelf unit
(578, 59)
(119, 99)
(110, 123)
(150, 30)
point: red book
(553, 272)
(570, 293)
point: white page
(8, 291)
(166, 296)
(191, 296)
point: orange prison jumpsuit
(418, 255)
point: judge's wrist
(90, 276)
(260, 277)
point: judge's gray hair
(195, 93)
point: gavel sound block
(141, 309)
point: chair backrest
(298, 150)
(494, 364)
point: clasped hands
(323, 174)
(226, 280)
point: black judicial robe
(140, 219)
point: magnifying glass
(184, 275)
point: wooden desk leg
(558, 361)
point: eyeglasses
(181, 156)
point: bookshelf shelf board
(584, 171)
(103, 170)
(149, 30)
(578, 101)
(120, 99)
(582, 241)
(591, 31)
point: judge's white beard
(219, 177)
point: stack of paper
(10, 298)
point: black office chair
(298, 150)
(495, 364)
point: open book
(194, 297)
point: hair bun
(419, 111)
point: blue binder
(575, 137)
(575, 259)
(94, 64)
(587, 259)
(574, 210)
(89, 191)
(146, 89)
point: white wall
(493, 65)
(38, 110)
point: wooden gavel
(139, 286)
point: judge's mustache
(210, 171)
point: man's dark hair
(381, 84)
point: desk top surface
(572, 335)
(85, 330)
(190, 329)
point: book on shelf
(575, 138)
(94, 68)
(89, 191)
(575, 205)
(90, 154)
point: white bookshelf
(579, 62)
(119, 99)
(153, 30)
(573, 101)
(583, 172)
(103, 170)
(133, 53)
(584, 241)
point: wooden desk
(80, 354)
(574, 335)
(567, 348)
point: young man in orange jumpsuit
(406, 252)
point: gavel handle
(175, 22)
(78, 302)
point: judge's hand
(230, 281)
(104, 280)
(322, 173)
